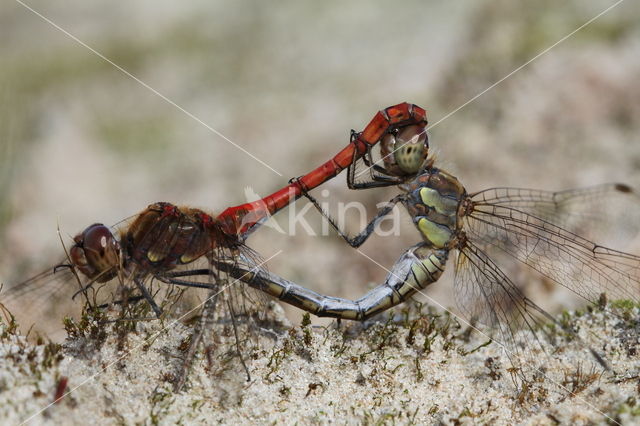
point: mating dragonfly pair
(548, 231)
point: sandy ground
(425, 369)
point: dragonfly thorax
(164, 236)
(433, 201)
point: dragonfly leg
(382, 179)
(418, 267)
(237, 337)
(206, 318)
(377, 180)
(168, 279)
(362, 236)
(185, 283)
(208, 310)
(156, 309)
(187, 273)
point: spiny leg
(148, 297)
(187, 273)
(185, 283)
(235, 332)
(139, 284)
(133, 299)
(362, 236)
(206, 318)
(167, 278)
(125, 302)
(208, 310)
(377, 180)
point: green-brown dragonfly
(538, 228)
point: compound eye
(411, 149)
(98, 239)
(96, 252)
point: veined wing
(582, 266)
(601, 213)
(242, 299)
(43, 300)
(52, 278)
(485, 293)
(235, 297)
(40, 288)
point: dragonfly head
(96, 253)
(405, 150)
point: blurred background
(81, 142)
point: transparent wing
(44, 300)
(52, 279)
(48, 296)
(603, 213)
(503, 225)
(484, 293)
(39, 295)
(243, 300)
(235, 298)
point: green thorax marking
(440, 194)
(443, 205)
(438, 235)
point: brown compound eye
(96, 253)
(404, 151)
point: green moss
(419, 374)
(52, 355)
(91, 326)
(284, 391)
(339, 350)
(306, 329)
(630, 407)
(624, 304)
(8, 324)
(279, 354)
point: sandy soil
(426, 369)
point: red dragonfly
(159, 242)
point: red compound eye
(96, 253)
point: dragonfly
(164, 242)
(547, 231)
(165, 237)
